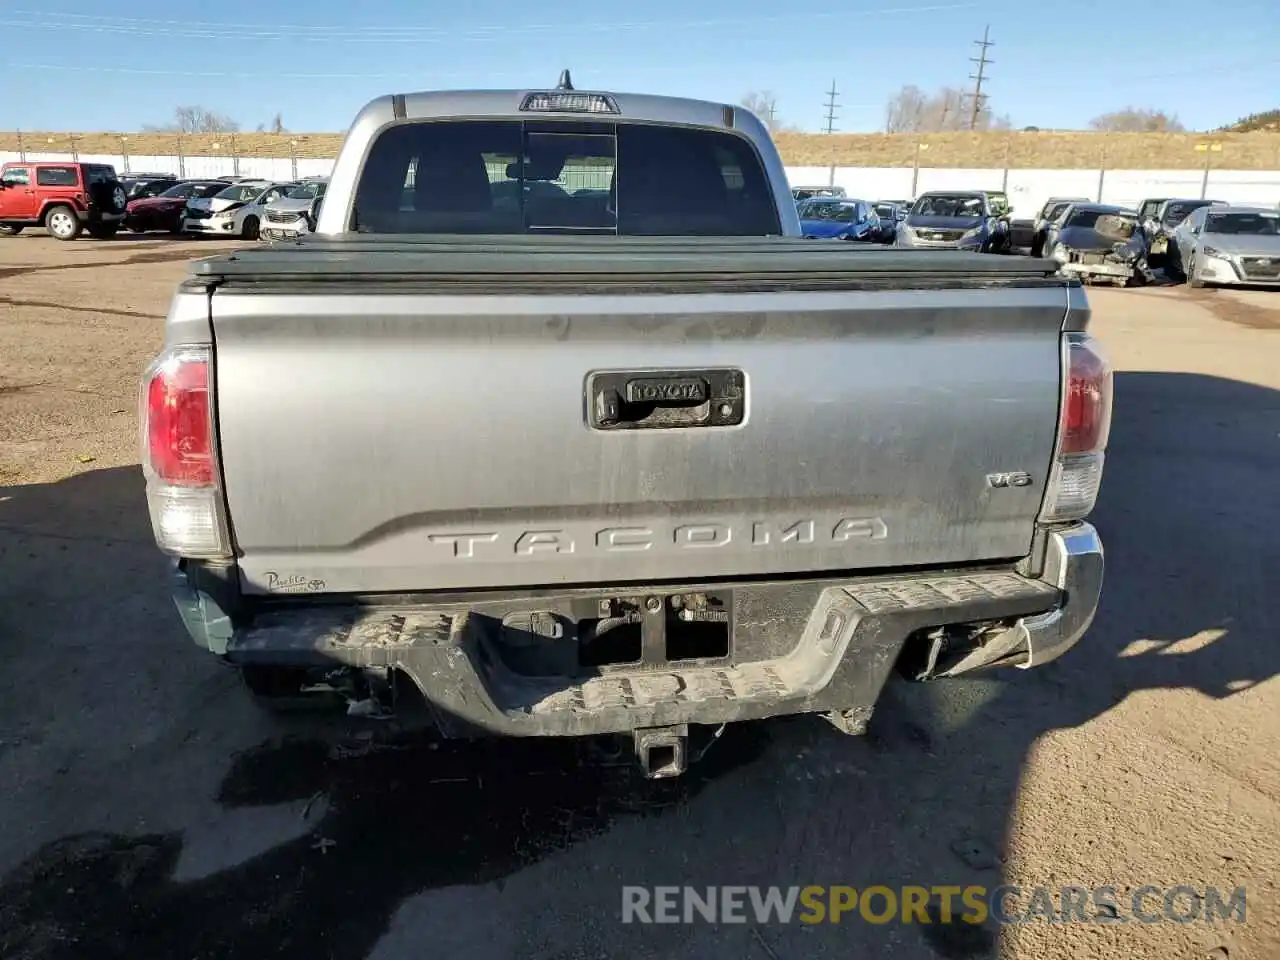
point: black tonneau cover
(584, 264)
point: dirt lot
(148, 811)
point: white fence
(1027, 189)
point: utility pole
(1208, 149)
(831, 128)
(982, 62)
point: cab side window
(17, 176)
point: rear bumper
(1074, 564)
(815, 646)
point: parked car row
(1201, 241)
(976, 220)
(68, 199)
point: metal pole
(235, 156)
(1102, 173)
(182, 161)
(831, 126)
(75, 156)
(293, 156)
(915, 170)
(982, 62)
(124, 151)
(1209, 150)
(22, 149)
(1004, 183)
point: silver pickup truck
(555, 427)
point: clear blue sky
(94, 66)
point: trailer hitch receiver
(662, 751)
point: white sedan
(236, 211)
(1227, 245)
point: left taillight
(179, 454)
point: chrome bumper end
(1074, 564)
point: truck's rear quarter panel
(374, 440)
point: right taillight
(1084, 423)
(179, 455)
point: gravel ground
(148, 811)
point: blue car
(839, 218)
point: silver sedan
(1227, 245)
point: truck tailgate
(408, 417)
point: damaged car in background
(1099, 243)
(1160, 216)
(1052, 212)
(1026, 234)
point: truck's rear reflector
(1083, 429)
(179, 456)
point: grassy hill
(1241, 149)
(1266, 122)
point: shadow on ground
(533, 840)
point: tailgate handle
(665, 399)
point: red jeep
(64, 198)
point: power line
(982, 61)
(310, 31)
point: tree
(1267, 120)
(911, 110)
(275, 125)
(1133, 120)
(765, 106)
(195, 119)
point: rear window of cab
(567, 177)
